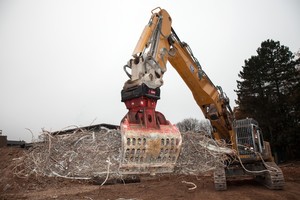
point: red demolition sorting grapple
(150, 143)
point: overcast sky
(61, 62)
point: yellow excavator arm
(159, 44)
(210, 98)
(151, 52)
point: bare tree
(194, 125)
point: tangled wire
(200, 154)
(81, 155)
(86, 154)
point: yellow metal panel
(146, 35)
(144, 38)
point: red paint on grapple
(150, 143)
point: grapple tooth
(149, 151)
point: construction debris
(200, 154)
(86, 154)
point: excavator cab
(150, 143)
(249, 138)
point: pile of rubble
(86, 154)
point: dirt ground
(164, 187)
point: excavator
(151, 144)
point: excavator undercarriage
(266, 173)
(254, 159)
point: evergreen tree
(269, 92)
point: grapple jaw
(149, 150)
(150, 143)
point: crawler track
(274, 178)
(220, 179)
